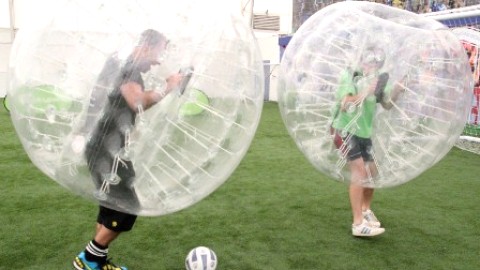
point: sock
(95, 252)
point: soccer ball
(201, 258)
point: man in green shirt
(357, 97)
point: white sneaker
(365, 229)
(370, 217)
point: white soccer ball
(201, 258)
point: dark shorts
(115, 220)
(120, 196)
(354, 147)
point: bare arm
(397, 90)
(356, 99)
(350, 100)
(135, 97)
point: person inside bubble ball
(111, 170)
(357, 96)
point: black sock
(94, 252)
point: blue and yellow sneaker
(80, 263)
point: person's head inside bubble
(149, 49)
(372, 58)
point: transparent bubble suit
(421, 56)
(184, 147)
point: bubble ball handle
(187, 73)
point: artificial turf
(274, 212)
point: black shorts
(119, 196)
(354, 146)
(115, 220)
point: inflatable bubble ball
(365, 80)
(142, 106)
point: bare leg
(367, 198)
(105, 236)
(356, 197)
(368, 192)
(356, 191)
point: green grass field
(275, 212)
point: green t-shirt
(359, 120)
